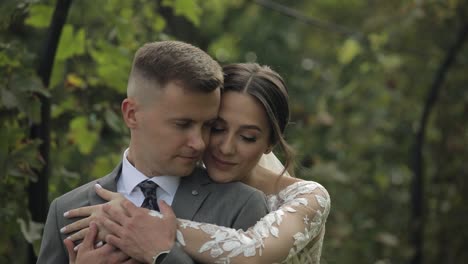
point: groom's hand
(139, 234)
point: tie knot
(148, 188)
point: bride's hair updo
(268, 87)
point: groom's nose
(196, 140)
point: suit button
(194, 192)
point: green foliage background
(358, 74)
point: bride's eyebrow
(254, 127)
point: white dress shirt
(128, 182)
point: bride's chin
(219, 177)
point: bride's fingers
(105, 194)
(78, 225)
(166, 210)
(79, 235)
(81, 212)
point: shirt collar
(131, 177)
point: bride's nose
(227, 145)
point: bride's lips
(222, 164)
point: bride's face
(238, 139)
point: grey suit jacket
(198, 198)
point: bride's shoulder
(302, 188)
(290, 184)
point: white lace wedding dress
(291, 233)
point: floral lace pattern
(291, 233)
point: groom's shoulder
(73, 199)
(78, 193)
(80, 196)
(230, 187)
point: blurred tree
(358, 74)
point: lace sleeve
(295, 228)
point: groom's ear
(129, 109)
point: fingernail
(76, 248)
(63, 229)
(98, 185)
(99, 244)
(66, 214)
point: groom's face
(173, 130)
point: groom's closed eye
(217, 129)
(183, 124)
(211, 123)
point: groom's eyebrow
(211, 121)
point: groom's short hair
(158, 63)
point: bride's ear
(269, 149)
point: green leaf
(225, 48)
(27, 84)
(24, 87)
(23, 158)
(64, 105)
(82, 135)
(58, 73)
(39, 16)
(159, 23)
(113, 65)
(8, 99)
(104, 164)
(390, 62)
(7, 7)
(5, 59)
(80, 41)
(70, 44)
(350, 49)
(382, 180)
(377, 41)
(187, 8)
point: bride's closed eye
(249, 139)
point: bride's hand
(93, 213)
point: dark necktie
(149, 191)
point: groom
(173, 96)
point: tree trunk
(417, 184)
(38, 191)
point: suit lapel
(108, 182)
(192, 191)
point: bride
(253, 115)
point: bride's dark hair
(269, 88)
